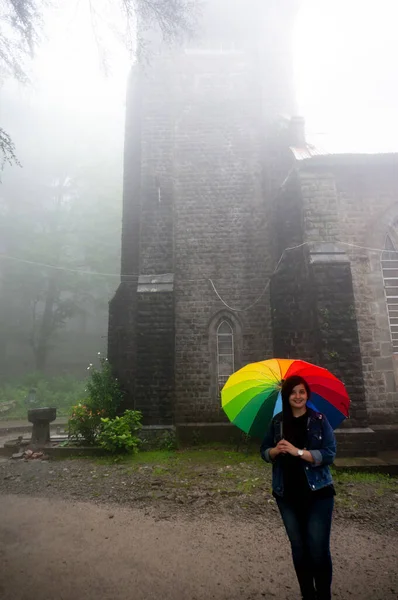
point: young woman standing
(300, 444)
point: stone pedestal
(41, 419)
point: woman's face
(298, 397)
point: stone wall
(199, 177)
(292, 318)
(312, 298)
(123, 306)
(154, 387)
(219, 233)
(335, 326)
(354, 200)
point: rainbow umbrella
(252, 395)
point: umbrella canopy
(252, 395)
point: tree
(22, 26)
(60, 230)
(173, 18)
(7, 150)
(19, 34)
(20, 31)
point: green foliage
(103, 391)
(60, 392)
(343, 477)
(133, 418)
(168, 441)
(84, 424)
(103, 398)
(188, 458)
(119, 435)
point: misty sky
(346, 73)
(345, 55)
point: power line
(266, 285)
(102, 274)
(58, 268)
(137, 275)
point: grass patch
(154, 457)
(357, 477)
(223, 471)
(185, 456)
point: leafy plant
(102, 401)
(133, 418)
(168, 441)
(84, 424)
(118, 435)
(103, 391)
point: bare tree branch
(7, 149)
(21, 27)
(20, 32)
(173, 17)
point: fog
(346, 75)
(62, 207)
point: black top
(295, 481)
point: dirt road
(54, 549)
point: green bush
(103, 398)
(103, 391)
(84, 424)
(118, 435)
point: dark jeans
(308, 528)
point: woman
(301, 445)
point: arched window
(225, 352)
(389, 265)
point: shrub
(103, 399)
(84, 424)
(118, 435)
(103, 391)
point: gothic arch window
(389, 265)
(225, 352)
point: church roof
(308, 151)
(311, 156)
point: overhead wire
(123, 276)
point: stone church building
(241, 241)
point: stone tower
(199, 169)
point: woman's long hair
(287, 414)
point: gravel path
(54, 549)
(180, 531)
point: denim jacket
(321, 443)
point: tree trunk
(46, 326)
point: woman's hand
(285, 447)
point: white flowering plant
(103, 398)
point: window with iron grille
(389, 265)
(225, 353)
